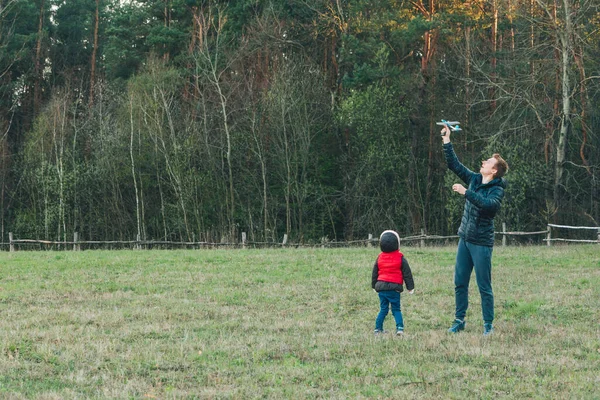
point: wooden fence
(549, 239)
(420, 240)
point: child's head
(389, 241)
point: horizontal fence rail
(244, 243)
(549, 239)
(593, 228)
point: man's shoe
(457, 326)
(379, 332)
(488, 329)
(400, 332)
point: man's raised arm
(464, 173)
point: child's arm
(374, 275)
(407, 275)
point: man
(483, 198)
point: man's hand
(460, 189)
(411, 291)
(446, 134)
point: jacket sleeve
(407, 275)
(374, 275)
(490, 203)
(464, 173)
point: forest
(199, 119)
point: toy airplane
(453, 125)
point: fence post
(370, 242)
(598, 235)
(75, 237)
(422, 244)
(504, 234)
(548, 237)
(284, 240)
(138, 246)
(11, 244)
(243, 240)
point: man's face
(488, 167)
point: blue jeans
(387, 298)
(480, 257)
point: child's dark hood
(389, 241)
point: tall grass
(292, 323)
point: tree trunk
(174, 173)
(224, 110)
(263, 170)
(565, 121)
(167, 23)
(414, 191)
(428, 66)
(512, 26)
(583, 100)
(94, 52)
(137, 198)
(37, 89)
(212, 58)
(433, 150)
(532, 34)
(288, 183)
(494, 53)
(58, 137)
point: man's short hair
(501, 166)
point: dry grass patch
(291, 323)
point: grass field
(292, 323)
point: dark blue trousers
(387, 299)
(471, 256)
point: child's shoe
(457, 326)
(488, 329)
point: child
(390, 271)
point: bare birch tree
(564, 17)
(216, 67)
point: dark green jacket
(482, 202)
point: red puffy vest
(390, 267)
